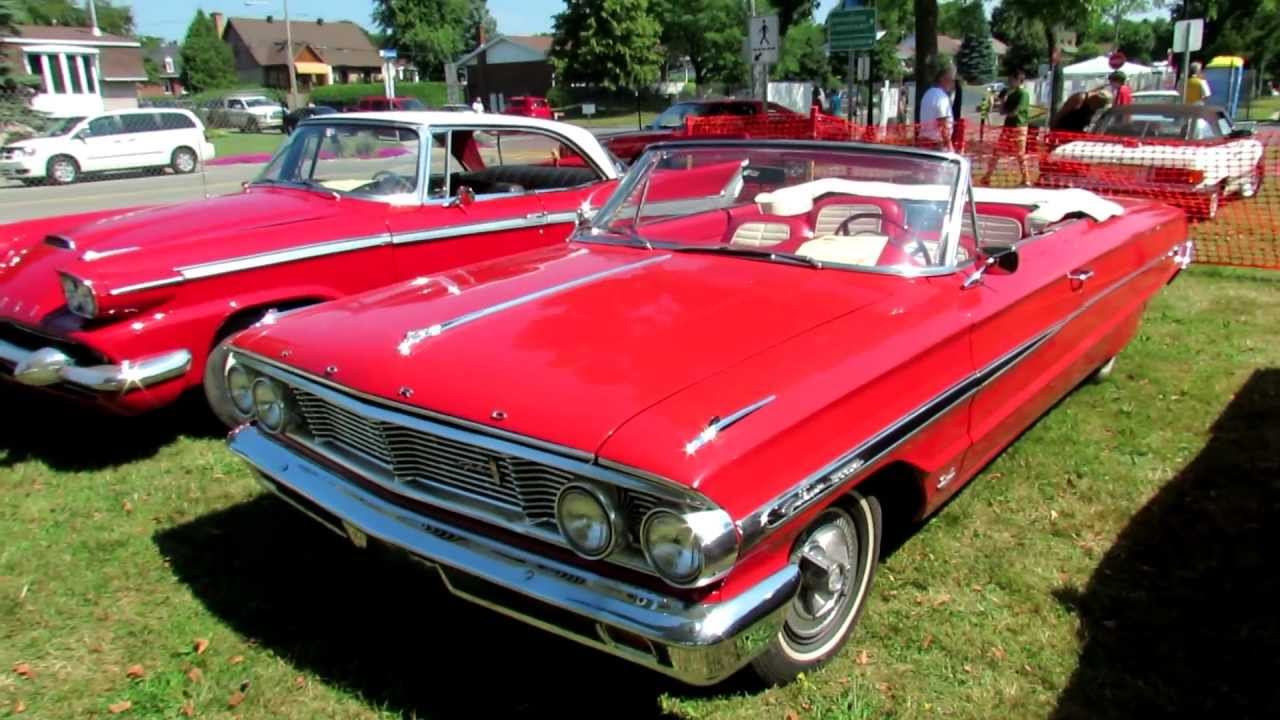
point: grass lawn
(238, 143)
(614, 120)
(1261, 108)
(1116, 562)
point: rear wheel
(837, 555)
(1104, 370)
(62, 170)
(183, 161)
(251, 125)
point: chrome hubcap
(185, 161)
(63, 172)
(826, 562)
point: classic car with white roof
(126, 308)
(1191, 156)
(679, 437)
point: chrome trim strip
(92, 255)
(835, 475)
(413, 337)
(717, 424)
(449, 231)
(706, 642)
(249, 262)
(138, 287)
(562, 217)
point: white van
(110, 141)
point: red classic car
(678, 438)
(528, 106)
(669, 125)
(124, 308)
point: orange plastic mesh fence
(1223, 177)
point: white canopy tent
(1101, 66)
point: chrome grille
(417, 458)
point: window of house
(168, 65)
(59, 83)
(73, 73)
(90, 74)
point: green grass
(614, 120)
(228, 143)
(1261, 108)
(1116, 562)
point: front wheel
(63, 170)
(183, 161)
(251, 125)
(838, 556)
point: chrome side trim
(562, 217)
(705, 642)
(92, 255)
(717, 424)
(138, 287)
(835, 475)
(250, 262)
(450, 231)
(413, 337)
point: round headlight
(672, 547)
(269, 404)
(240, 386)
(586, 521)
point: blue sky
(168, 19)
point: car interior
(504, 162)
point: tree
(958, 18)
(14, 83)
(710, 33)
(116, 20)
(804, 56)
(478, 17)
(1051, 16)
(926, 63)
(1137, 41)
(612, 44)
(1118, 10)
(1024, 36)
(1088, 49)
(207, 62)
(430, 32)
(789, 12)
(976, 61)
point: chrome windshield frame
(951, 226)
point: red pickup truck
(628, 146)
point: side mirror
(1003, 258)
(465, 197)
(81, 135)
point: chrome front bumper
(50, 366)
(700, 644)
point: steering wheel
(389, 183)
(920, 251)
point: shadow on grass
(388, 630)
(71, 436)
(1180, 618)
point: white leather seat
(761, 234)
(831, 216)
(863, 249)
(994, 229)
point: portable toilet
(1225, 75)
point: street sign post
(852, 30)
(1188, 35)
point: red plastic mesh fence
(1226, 181)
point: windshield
(259, 102)
(822, 207)
(375, 161)
(62, 127)
(412, 104)
(673, 117)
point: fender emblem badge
(498, 415)
(331, 370)
(405, 392)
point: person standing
(476, 105)
(1197, 87)
(1121, 93)
(935, 110)
(1016, 108)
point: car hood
(41, 144)
(565, 344)
(147, 244)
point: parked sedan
(680, 437)
(1191, 156)
(292, 119)
(127, 308)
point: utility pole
(93, 19)
(288, 51)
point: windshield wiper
(791, 258)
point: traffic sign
(1188, 35)
(388, 54)
(1117, 60)
(762, 39)
(852, 30)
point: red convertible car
(125, 308)
(678, 437)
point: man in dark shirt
(1015, 105)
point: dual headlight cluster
(260, 398)
(81, 299)
(686, 549)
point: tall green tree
(804, 55)
(1024, 36)
(958, 18)
(976, 61)
(1117, 10)
(612, 44)
(430, 32)
(207, 62)
(789, 12)
(113, 19)
(478, 17)
(710, 33)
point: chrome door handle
(1079, 275)
(537, 216)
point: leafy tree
(976, 61)
(14, 83)
(612, 44)
(959, 18)
(1137, 40)
(1117, 10)
(1088, 49)
(885, 64)
(804, 56)
(710, 33)
(478, 17)
(790, 12)
(207, 62)
(431, 32)
(1023, 35)
(113, 19)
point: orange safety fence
(1226, 179)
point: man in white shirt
(935, 110)
(477, 106)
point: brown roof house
(83, 70)
(507, 66)
(167, 61)
(323, 53)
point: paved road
(18, 202)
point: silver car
(247, 113)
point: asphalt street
(18, 202)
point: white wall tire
(815, 632)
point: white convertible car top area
(1049, 205)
